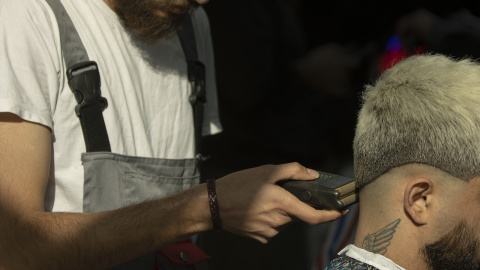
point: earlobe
(416, 198)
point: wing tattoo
(379, 241)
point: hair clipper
(328, 191)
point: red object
(394, 53)
(184, 253)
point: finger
(320, 216)
(306, 213)
(280, 219)
(265, 236)
(292, 171)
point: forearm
(100, 240)
(250, 203)
(33, 239)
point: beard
(458, 249)
(151, 20)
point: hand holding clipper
(328, 191)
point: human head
(151, 20)
(417, 161)
(425, 109)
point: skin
(428, 206)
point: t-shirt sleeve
(30, 60)
(211, 123)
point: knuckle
(278, 223)
(296, 166)
(263, 240)
(267, 167)
(270, 234)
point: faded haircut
(425, 109)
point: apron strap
(84, 81)
(90, 107)
(196, 76)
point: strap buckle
(196, 76)
(84, 81)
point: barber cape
(354, 258)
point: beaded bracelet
(212, 200)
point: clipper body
(328, 191)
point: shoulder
(199, 14)
(21, 13)
(31, 59)
(200, 20)
(203, 37)
(32, 7)
(27, 21)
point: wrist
(200, 210)
(213, 205)
(189, 214)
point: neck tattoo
(379, 241)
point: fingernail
(345, 212)
(313, 173)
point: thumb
(292, 171)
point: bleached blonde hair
(426, 110)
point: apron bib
(114, 181)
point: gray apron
(114, 181)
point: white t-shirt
(149, 113)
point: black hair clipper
(328, 191)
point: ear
(416, 199)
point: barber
(65, 207)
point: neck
(392, 235)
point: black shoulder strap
(84, 81)
(196, 76)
